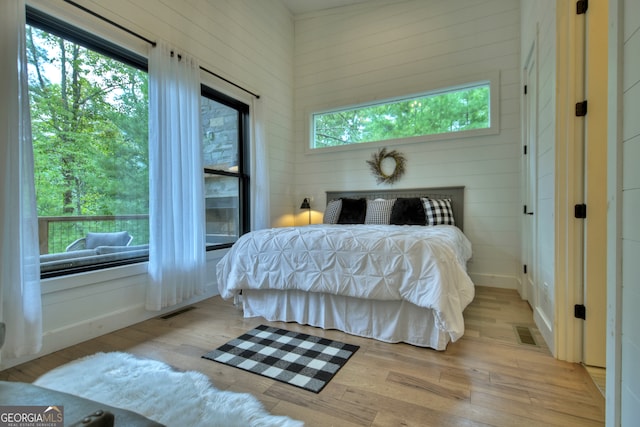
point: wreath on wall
(376, 165)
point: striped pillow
(379, 211)
(332, 212)
(438, 211)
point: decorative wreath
(376, 165)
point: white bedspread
(423, 265)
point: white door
(530, 180)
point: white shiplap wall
(382, 49)
(630, 374)
(249, 42)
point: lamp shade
(305, 204)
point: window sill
(60, 283)
(70, 281)
(50, 263)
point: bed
(405, 282)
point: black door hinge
(581, 109)
(582, 6)
(525, 89)
(580, 210)
(580, 311)
(525, 149)
(524, 268)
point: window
(450, 110)
(89, 118)
(226, 183)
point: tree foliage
(452, 111)
(89, 116)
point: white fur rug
(158, 392)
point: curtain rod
(105, 19)
(152, 43)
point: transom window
(449, 110)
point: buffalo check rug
(294, 358)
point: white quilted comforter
(423, 265)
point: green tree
(451, 111)
(89, 123)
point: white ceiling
(298, 7)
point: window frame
(73, 33)
(492, 78)
(244, 222)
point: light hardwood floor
(487, 378)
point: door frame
(528, 288)
(595, 187)
(568, 332)
(613, 406)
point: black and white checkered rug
(298, 359)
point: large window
(449, 110)
(89, 113)
(226, 183)
(89, 116)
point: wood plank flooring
(487, 378)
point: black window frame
(48, 23)
(244, 222)
(70, 32)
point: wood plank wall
(382, 49)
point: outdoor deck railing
(57, 232)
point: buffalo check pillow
(438, 211)
(379, 211)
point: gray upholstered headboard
(456, 194)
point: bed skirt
(388, 321)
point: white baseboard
(72, 334)
(495, 280)
(545, 328)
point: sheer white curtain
(260, 205)
(20, 307)
(176, 209)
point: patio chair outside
(93, 240)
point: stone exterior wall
(220, 151)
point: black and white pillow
(332, 212)
(379, 211)
(438, 211)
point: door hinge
(524, 268)
(580, 210)
(525, 149)
(580, 311)
(581, 109)
(525, 89)
(582, 6)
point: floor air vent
(524, 335)
(177, 312)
